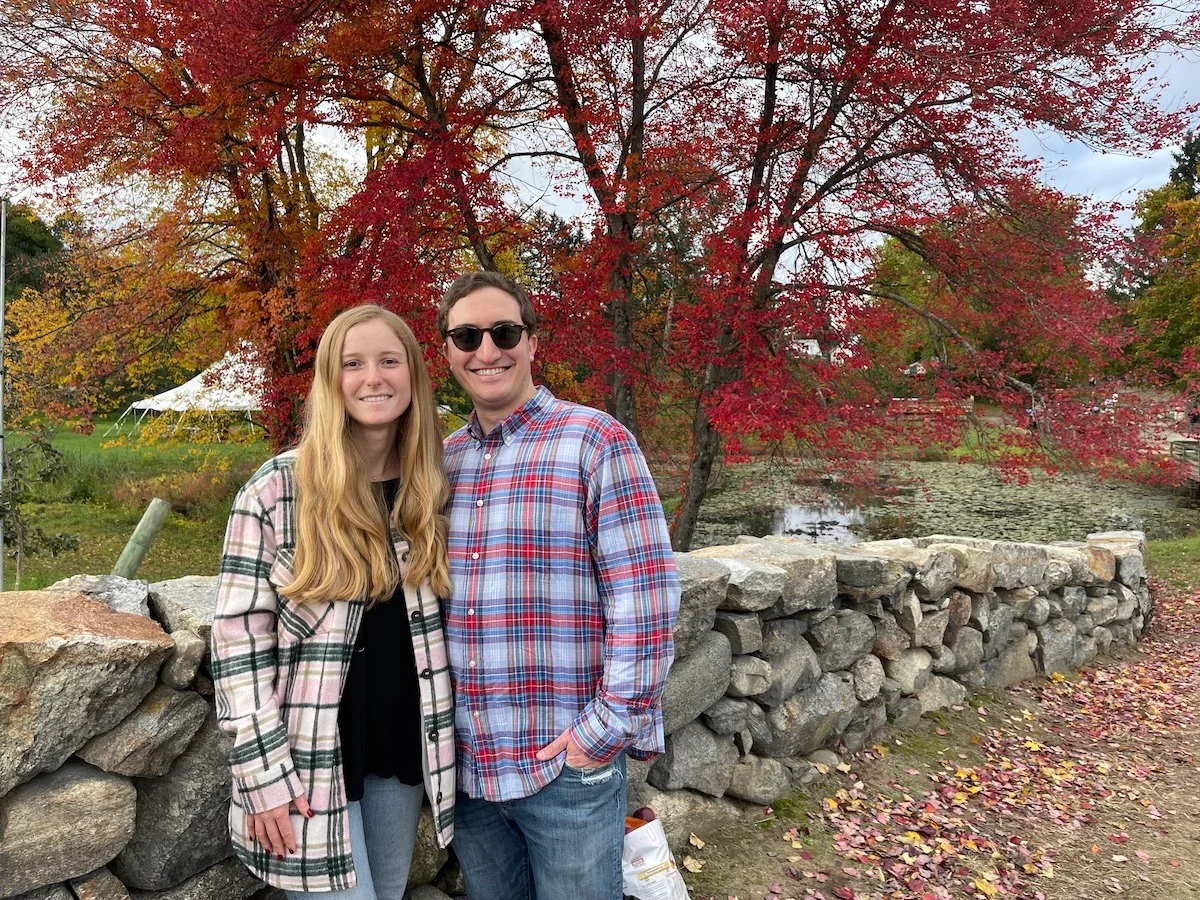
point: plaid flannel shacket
(565, 594)
(279, 669)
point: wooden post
(143, 536)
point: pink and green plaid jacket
(279, 669)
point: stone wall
(114, 780)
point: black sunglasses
(505, 336)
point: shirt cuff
(600, 742)
(275, 787)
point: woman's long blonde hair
(343, 548)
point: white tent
(234, 383)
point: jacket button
(439, 797)
(416, 616)
(427, 673)
(433, 734)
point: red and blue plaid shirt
(565, 593)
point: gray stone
(702, 586)
(1103, 638)
(864, 576)
(1014, 664)
(958, 605)
(98, 885)
(866, 724)
(934, 571)
(975, 679)
(683, 813)
(868, 677)
(1038, 611)
(759, 780)
(822, 631)
(1018, 565)
(911, 670)
(1086, 649)
(890, 691)
(825, 757)
(428, 858)
(944, 661)
(1056, 647)
(812, 576)
(1128, 547)
(186, 604)
(1056, 608)
(932, 628)
(854, 637)
(744, 630)
(749, 676)
(181, 666)
(1020, 629)
(752, 585)
(906, 713)
(981, 611)
(1076, 559)
(62, 825)
(968, 649)
(49, 892)
(697, 681)
(182, 817)
(890, 639)
(727, 715)
(227, 880)
(940, 692)
(781, 635)
(1018, 598)
(810, 718)
(1103, 610)
(637, 771)
(908, 612)
(1126, 609)
(1058, 573)
(996, 638)
(696, 759)
(873, 608)
(118, 594)
(1143, 598)
(70, 668)
(757, 724)
(1074, 601)
(152, 736)
(1085, 624)
(795, 668)
(972, 565)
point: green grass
(1176, 560)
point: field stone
(853, 638)
(944, 660)
(683, 813)
(997, 635)
(749, 675)
(427, 892)
(1129, 548)
(727, 715)
(865, 576)
(973, 565)
(181, 666)
(187, 603)
(905, 714)
(1103, 610)
(868, 677)
(126, 595)
(702, 585)
(697, 681)
(759, 780)
(1074, 601)
(968, 649)
(70, 668)
(1014, 664)
(151, 737)
(428, 858)
(908, 612)
(754, 583)
(1018, 564)
(1103, 638)
(981, 611)
(744, 630)
(1058, 573)
(809, 719)
(934, 571)
(1075, 557)
(795, 668)
(890, 639)
(940, 692)
(911, 670)
(182, 817)
(1056, 646)
(757, 724)
(98, 885)
(866, 724)
(811, 570)
(49, 892)
(696, 759)
(227, 880)
(932, 629)
(781, 635)
(62, 825)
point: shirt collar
(516, 421)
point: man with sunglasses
(559, 630)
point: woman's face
(376, 388)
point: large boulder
(697, 681)
(852, 639)
(70, 668)
(794, 664)
(809, 719)
(182, 817)
(940, 692)
(152, 737)
(934, 572)
(63, 825)
(702, 585)
(188, 603)
(972, 564)
(866, 576)
(811, 576)
(1128, 547)
(227, 880)
(118, 594)
(696, 758)
(759, 780)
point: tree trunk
(706, 444)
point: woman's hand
(273, 828)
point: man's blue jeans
(562, 843)
(383, 829)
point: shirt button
(471, 664)
(470, 612)
(475, 714)
(474, 556)
(479, 503)
(487, 456)
(439, 799)
(427, 673)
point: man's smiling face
(498, 381)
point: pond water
(938, 498)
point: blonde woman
(328, 656)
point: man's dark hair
(470, 282)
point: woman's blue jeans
(383, 829)
(562, 843)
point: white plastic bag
(648, 869)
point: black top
(380, 713)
